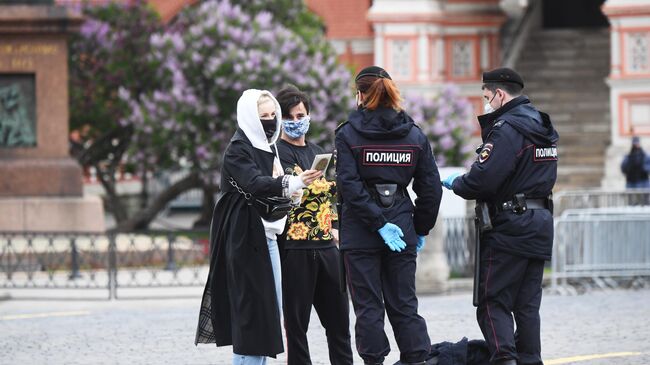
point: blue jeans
(274, 253)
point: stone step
(568, 145)
(569, 118)
(557, 52)
(572, 32)
(535, 83)
(587, 103)
(532, 64)
(541, 95)
(584, 42)
(580, 178)
(584, 140)
(571, 169)
(573, 183)
(571, 104)
(590, 38)
(565, 72)
(568, 128)
(566, 115)
(584, 180)
(565, 94)
(580, 45)
(544, 73)
(595, 160)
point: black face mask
(270, 126)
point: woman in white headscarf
(242, 300)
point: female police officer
(379, 151)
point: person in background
(636, 166)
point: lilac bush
(446, 120)
(208, 57)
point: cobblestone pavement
(603, 323)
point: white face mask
(487, 108)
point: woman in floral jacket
(310, 258)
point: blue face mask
(296, 129)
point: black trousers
(384, 280)
(311, 276)
(510, 286)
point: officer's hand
(421, 242)
(309, 176)
(449, 181)
(392, 236)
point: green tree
(110, 52)
(182, 117)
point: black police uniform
(518, 156)
(378, 147)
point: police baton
(482, 223)
(477, 260)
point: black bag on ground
(463, 352)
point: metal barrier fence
(601, 245)
(597, 198)
(103, 261)
(597, 245)
(459, 235)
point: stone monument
(40, 184)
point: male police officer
(514, 174)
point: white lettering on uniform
(545, 153)
(388, 157)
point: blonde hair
(263, 99)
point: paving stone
(162, 331)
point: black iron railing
(102, 261)
(134, 262)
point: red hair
(379, 91)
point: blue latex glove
(421, 242)
(392, 236)
(449, 181)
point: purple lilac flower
(263, 19)
(447, 142)
(201, 152)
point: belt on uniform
(543, 203)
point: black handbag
(271, 208)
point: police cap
(502, 75)
(374, 71)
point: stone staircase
(564, 71)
